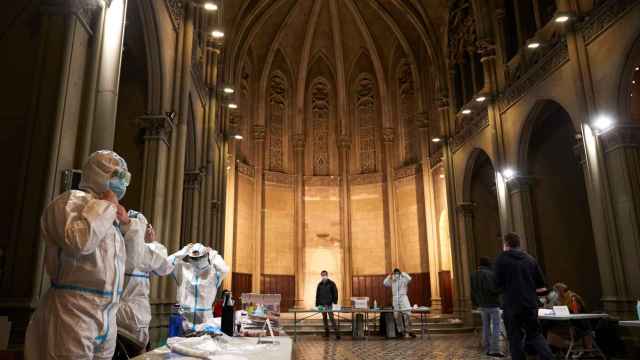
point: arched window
(320, 125)
(277, 119)
(366, 118)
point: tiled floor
(438, 347)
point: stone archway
(563, 238)
(482, 203)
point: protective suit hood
(99, 169)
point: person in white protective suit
(399, 282)
(84, 258)
(198, 272)
(134, 313)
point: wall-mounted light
(562, 18)
(238, 137)
(533, 44)
(217, 34)
(466, 111)
(232, 106)
(441, 176)
(228, 90)
(209, 6)
(602, 123)
(481, 98)
(508, 174)
(436, 140)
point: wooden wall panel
(240, 283)
(372, 287)
(446, 291)
(420, 289)
(285, 285)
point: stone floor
(437, 347)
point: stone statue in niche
(277, 118)
(366, 120)
(320, 113)
(407, 110)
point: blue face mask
(118, 187)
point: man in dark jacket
(326, 296)
(486, 298)
(520, 278)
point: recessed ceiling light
(228, 90)
(466, 111)
(562, 18)
(481, 98)
(210, 6)
(533, 45)
(232, 106)
(436, 139)
(508, 174)
(238, 137)
(441, 176)
(217, 34)
(603, 122)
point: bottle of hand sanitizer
(375, 304)
(638, 309)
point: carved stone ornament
(278, 178)
(486, 49)
(156, 127)
(553, 58)
(405, 171)
(470, 126)
(298, 142)
(277, 118)
(387, 135)
(366, 116)
(176, 10)
(258, 132)
(246, 170)
(322, 180)
(365, 179)
(192, 180)
(443, 103)
(422, 120)
(606, 14)
(621, 136)
(436, 158)
(320, 123)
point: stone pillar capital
(466, 208)
(387, 135)
(258, 132)
(192, 180)
(298, 142)
(443, 103)
(621, 136)
(156, 127)
(422, 120)
(344, 142)
(486, 49)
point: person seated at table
(326, 296)
(556, 337)
(399, 283)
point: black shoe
(326, 335)
(497, 354)
(337, 337)
(412, 335)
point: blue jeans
(491, 329)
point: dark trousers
(126, 349)
(331, 317)
(523, 331)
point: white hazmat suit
(84, 259)
(134, 313)
(399, 285)
(199, 271)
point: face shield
(102, 168)
(199, 263)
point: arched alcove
(564, 237)
(480, 191)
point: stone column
(391, 244)
(298, 214)
(230, 203)
(621, 146)
(462, 251)
(522, 207)
(212, 177)
(344, 147)
(431, 252)
(106, 102)
(258, 208)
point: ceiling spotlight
(562, 18)
(638, 68)
(228, 90)
(217, 34)
(533, 44)
(232, 106)
(238, 137)
(602, 123)
(466, 111)
(436, 140)
(508, 174)
(441, 176)
(481, 98)
(209, 6)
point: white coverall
(197, 289)
(399, 286)
(134, 314)
(84, 259)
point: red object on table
(217, 308)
